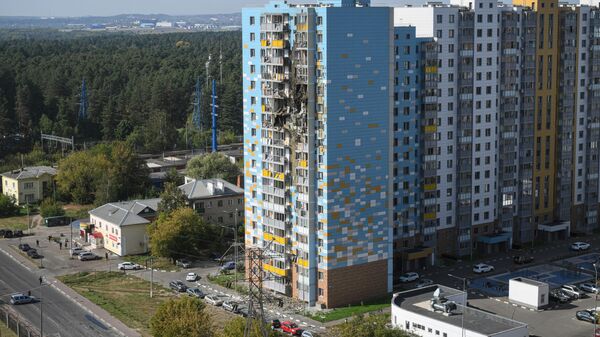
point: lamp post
(462, 316)
(41, 307)
(235, 245)
(595, 292)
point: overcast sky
(113, 7)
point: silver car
(589, 287)
(214, 300)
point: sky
(114, 7)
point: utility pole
(214, 115)
(235, 238)
(41, 307)
(255, 292)
(151, 279)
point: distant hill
(123, 20)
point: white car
(589, 287)
(214, 300)
(572, 290)
(424, 283)
(409, 277)
(580, 246)
(482, 268)
(129, 266)
(191, 277)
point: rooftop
(210, 188)
(529, 281)
(417, 301)
(125, 213)
(30, 172)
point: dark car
(2, 231)
(275, 324)
(522, 259)
(18, 233)
(32, 253)
(587, 315)
(8, 234)
(24, 247)
(559, 296)
(195, 292)
(184, 263)
(178, 285)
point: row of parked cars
(9, 233)
(31, 252)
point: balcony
(271, 237)
(510, 51)
(277, 271)
(466, 53)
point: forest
(140, 87)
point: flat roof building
(412, 311)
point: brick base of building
(351, 285)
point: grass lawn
(124, 296)
(227, 281)
(160, 263)
(77, 211)
(14, 222)
(6, 332)
(340, 313)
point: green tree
(8, 206)
(79, 176)
(50, 208)
(236, 327)
(368, 326)
(212, 165)
(172, 198)
(173, 177)
(179, 233)
(182, 317)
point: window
(251, 20)
(252, 37)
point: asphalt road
(62, 317)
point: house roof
(126, 212)
(210, 188)
(30, 172)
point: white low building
(530, 293)
(412, 312)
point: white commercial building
(412, 311)
(529, 293)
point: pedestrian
(29, 293)
(106, 255)
(60, 245)
(37, 243)
(40, 279)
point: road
(62, 317)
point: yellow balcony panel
(431, 128)
(302, 26)
(303, 163)
(270, 237)
(264, 43)
(278, 176)
(264, 108)
(277, 43)
(429, 216)
(267, 173)
(274, 270)
(430, 187)
(431, 70)
(303, 263)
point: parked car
(195, 292)
(178, 285)
(2, 231)
(8, 234)
(482, 268)
(571, 289)
(243, 311)
(229, 265)
(20, 299)
(128, 266)
(231, 306)
(424, 283)
(184, 263)
(308, 334)
(275, 324)
(589, 287)
(559, 296)
(291, 327)
(191, 277)
(587, 315)
(577, 246)
(24, 247)
(409, 277)
(214, 300)
(87, 256)
(76, 251)
(522, 259)
(18, 233)
(32, 253)
(571, 296)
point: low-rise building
(216, 200)
(413, 312)
(29, 184)
(530, 293)
(120, 227)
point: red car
(291, 327)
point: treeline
(140, 87)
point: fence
(16, 323)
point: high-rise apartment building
(318, 102)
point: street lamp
(41, 307)
(595, 264)
(235, 245)
(462, 316)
